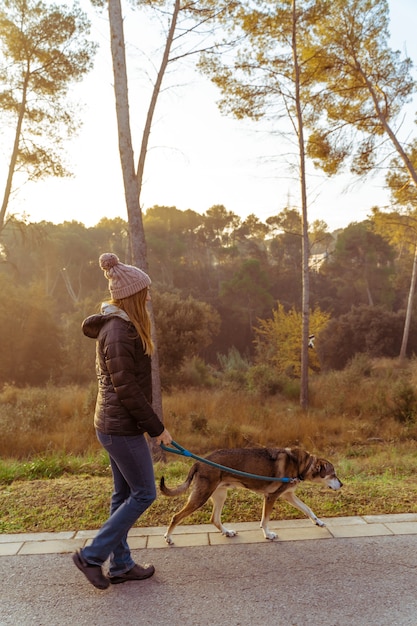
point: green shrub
(360, 366)
(195, 373)
(291, 389)
(405, 402)
(234, 368)
(233, 360)
(265, 380)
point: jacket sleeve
(129, 370)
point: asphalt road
(368, 581)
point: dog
(211, 482)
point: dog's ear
(323, 468)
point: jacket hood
(92, 325)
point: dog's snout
(335, 483)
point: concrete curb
(206, 535)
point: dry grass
(36, 421)
(346, 409)
(363, 419)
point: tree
(273, 75)
(286, 246)
(278, 340)
(138, 254)
(219, 224)
(247, 292)
(133, 178)
(250, 237)
(61, 257)
(362, 266)
(185, 328)
(364, 330)
(133, 175)
(252, 227)
(404, 193)
(366, 85)
(45, 48)
(172, 241)
(401, 184)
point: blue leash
(183, 452)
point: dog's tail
(181, 488)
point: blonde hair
(135, 308)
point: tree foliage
(399, 181)
(362, 266)
(185, 328)
(205, 309)
(44, 49)
(364, 87)
(364, 330)
(278, 340)
(248, 292)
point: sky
(197, 157)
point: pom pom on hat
(108, 260)
(124, 280)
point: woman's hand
(164, 438)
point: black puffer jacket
(124, 378)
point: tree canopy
(44, 49)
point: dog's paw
(319, 522)
(229, 533)
(270, 535)
(168, 539)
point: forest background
(221, 286)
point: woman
(123, 414)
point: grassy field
(381, 481)
(54, 476)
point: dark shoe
(93, 573)
(136, 573)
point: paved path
(357, 571)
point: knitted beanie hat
(124, 280)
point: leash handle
(177, 449)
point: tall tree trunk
(304, 222)
(117, 42)
(134, 212)
(156, 379)
(411, 291)
(15, 152)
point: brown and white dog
(211, 482)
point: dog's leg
(291, 498)
(218, 498)
(195, 501)
(268, 505)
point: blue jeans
(134, 491)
